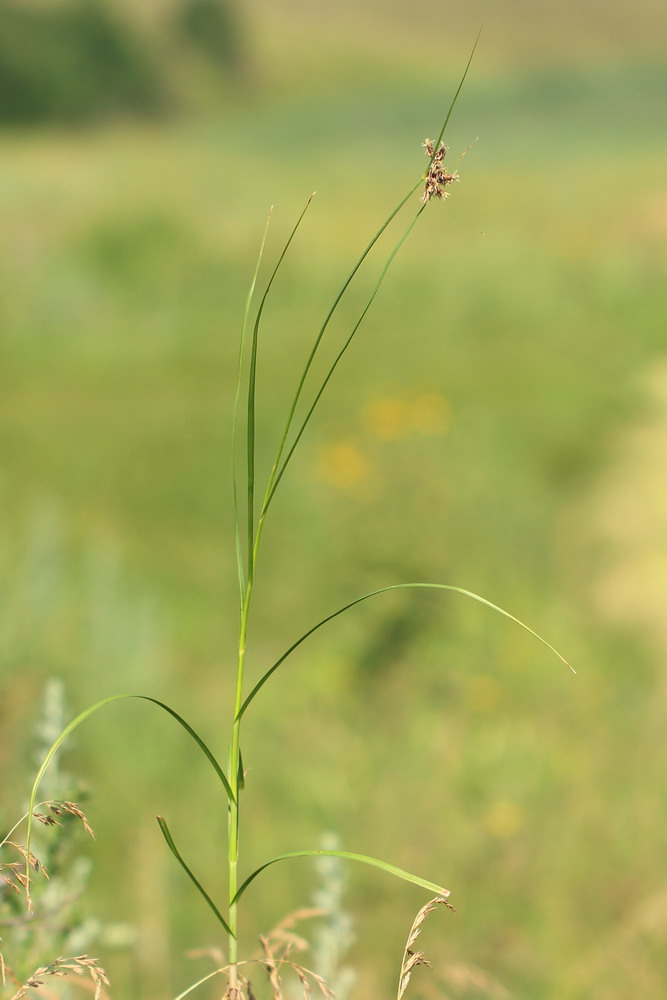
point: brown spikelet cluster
(437, 178)
(65, 809)
(16, 870)
(16, 876)
(13, 875)
(412, 958)
(81, 965)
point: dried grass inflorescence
(13, 874)
(412, 958)
(65, 808)
(15, 878)
(437, 178)
(277, 948)
(81, 965)
(275, 958)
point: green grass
(539, 800)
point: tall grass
(253, 496)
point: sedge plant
(253, 501)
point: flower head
(437, 179)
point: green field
(479, 432)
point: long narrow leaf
(339, 356)
(364, 859)
(172, 847)
(55, 746)
(318, 340)
(456, 96)
(383, 590)
(252, 383)
(237, 398)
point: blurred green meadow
(500, 424)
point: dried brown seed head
(437, 179)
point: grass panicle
(412, 958)
(67, 968)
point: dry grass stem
(305, 975)
(270, 964)
(273, 962)
(276, 947)
(282, 938)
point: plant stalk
(234, 768)
(235, 775)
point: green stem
(235, 765)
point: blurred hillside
(515, 32)
(83, 60)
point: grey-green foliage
(88, 613)
(59, 924)
(335, 933)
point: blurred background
(501, 424)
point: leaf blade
(383, 590)
(251, 400)
(237, 400)
(162, 823)
(456, 95)
(347, 855)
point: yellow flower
(392, 418)
(387, 418)
(342, 465)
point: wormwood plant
(252, 504)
